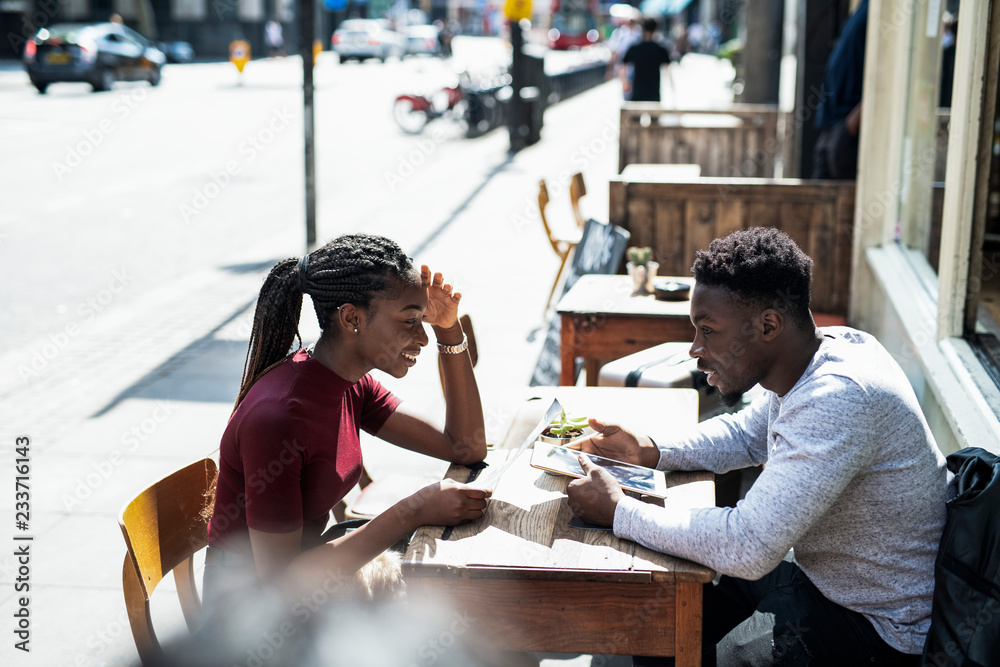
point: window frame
(924, 318)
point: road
(155, 183)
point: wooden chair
(562, 244)
(378, 496)
(163, 528)
(577, 190)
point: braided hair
(353, 268)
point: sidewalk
(115, 405)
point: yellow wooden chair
(378, 496)
(563, 243)
(577, 190)
(163, 528)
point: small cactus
(639, 256)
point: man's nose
(696, 350)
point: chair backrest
(577, 190)
(466, 323)
(163, 527)
(543, 201)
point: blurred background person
(274, 38)
(835, 155)
(624, 36)
(647, 57)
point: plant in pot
(642, 268)
(563, 429)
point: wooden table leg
(688, 632)
(567, 358)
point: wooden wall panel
(640, 216)
(668, 238)
(731, 216)
(700, 228)
(720, 151)
(821, 247)
(765, 213)
(678, 219)
(748, 150)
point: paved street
(136, 228)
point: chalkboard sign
(601, 250)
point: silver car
(423, 39)
(367, 38)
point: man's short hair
(761, 266)
(649, 24)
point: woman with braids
(291, 450)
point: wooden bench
(678, 219)
(742, 140)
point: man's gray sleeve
(727, 442)
(819, 445)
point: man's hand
(614, 442)
(595, 497)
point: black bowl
(671, 290)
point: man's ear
(773, 323)
(348, 318)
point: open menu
(562, 461)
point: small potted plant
(563, 429)
(642, 268)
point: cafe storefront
(930, 291)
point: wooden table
(659, 173)
(602, 320)
(537, 584)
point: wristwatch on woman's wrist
(455, 349)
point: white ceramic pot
(642, 276)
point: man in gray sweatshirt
(853, 482)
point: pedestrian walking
(274, 38)
(646, 58)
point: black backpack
(965, 619)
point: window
(928, 291)
(189, 10)
(924, 147)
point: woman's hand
(614, 442)
(442, 304)
(447, 503)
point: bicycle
(412, 111)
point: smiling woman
(291, 450)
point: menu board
(601, 250)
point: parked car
(422, 39)
(177, 52)
(98, 54)
(367, 38)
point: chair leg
(555, 284)
(137, 607)
(187, 591)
